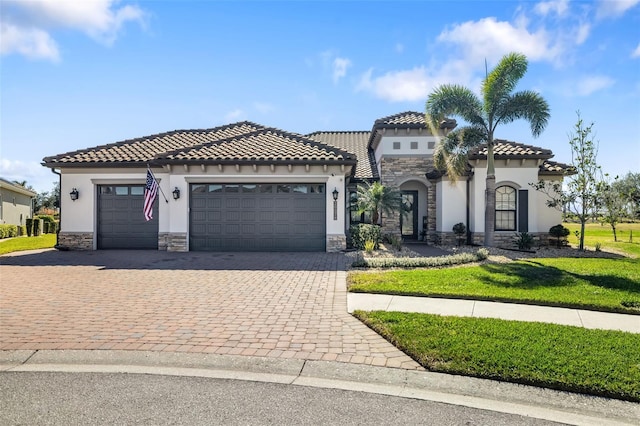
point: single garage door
(121, 223)
(257, 217)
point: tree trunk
(581, 246)
(615, 237)
(490, 211)
(490, 197)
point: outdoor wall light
(74, 194)
(176, 193)
(335, 203)
(335, 194)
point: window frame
(512, 213)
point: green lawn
(596, 233)
(600, 284)
(27, 243)
(597, 362)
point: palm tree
(497, 106)
(375, 198)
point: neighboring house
(246, 187)
(16, 203)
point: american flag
(150, 192)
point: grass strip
(27, 243)
(597, 362)
(611, 285)
(628, 237)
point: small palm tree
(375, 199)
(497, 106)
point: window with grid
(505, 208)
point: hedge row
(422, 262)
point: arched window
(505, 208)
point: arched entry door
(409, 215)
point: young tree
(581, 195)
(629, 187)
(375, 199)
(612, 203)
(497, 106)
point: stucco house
(247, 187)
(16, 203)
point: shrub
(46, 218)
(8, 231)
(37, 227)
(364, 232)
(22, 230)
(394, 240)
(598, 246)
(560, 233)
(419, 262)
(29, 226)
(524, 240)
(459, 229)
(482, 253)
(369, 246)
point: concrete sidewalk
(552, 405)
(482, 309)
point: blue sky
(76, 74)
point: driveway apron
(286, 305)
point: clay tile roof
(145, 149)
(355, 142)
(409, 119)
(263, 145)
(507, 149)
(554, 168)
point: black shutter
(523, 210)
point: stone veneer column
(76, 240)
(336, 243)
(395, 170)
(176, 241)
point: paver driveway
(290, 305)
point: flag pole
(159, 187)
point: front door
(409, 215)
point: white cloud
(614, 8)
(30, 42)
(340, 66)
(36, 175)
(234, 115)
(416, 84)
(582, 33)
(491, 39)
(30, 23)
(559, 7)
(590, 84)
(636, 52)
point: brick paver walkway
(289, 305)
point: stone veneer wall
(395, 170)
(163, 241)
(176, 241)
(76, 240)
(336, 243)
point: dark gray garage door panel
(257, 217)
(121, 223)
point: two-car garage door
(222, 217)
(257, 217)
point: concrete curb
(502, 397)
(482, 309)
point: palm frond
(502, 80)
(454, 100)
(528, 105)
(451, 154)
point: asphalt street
(47, 398)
